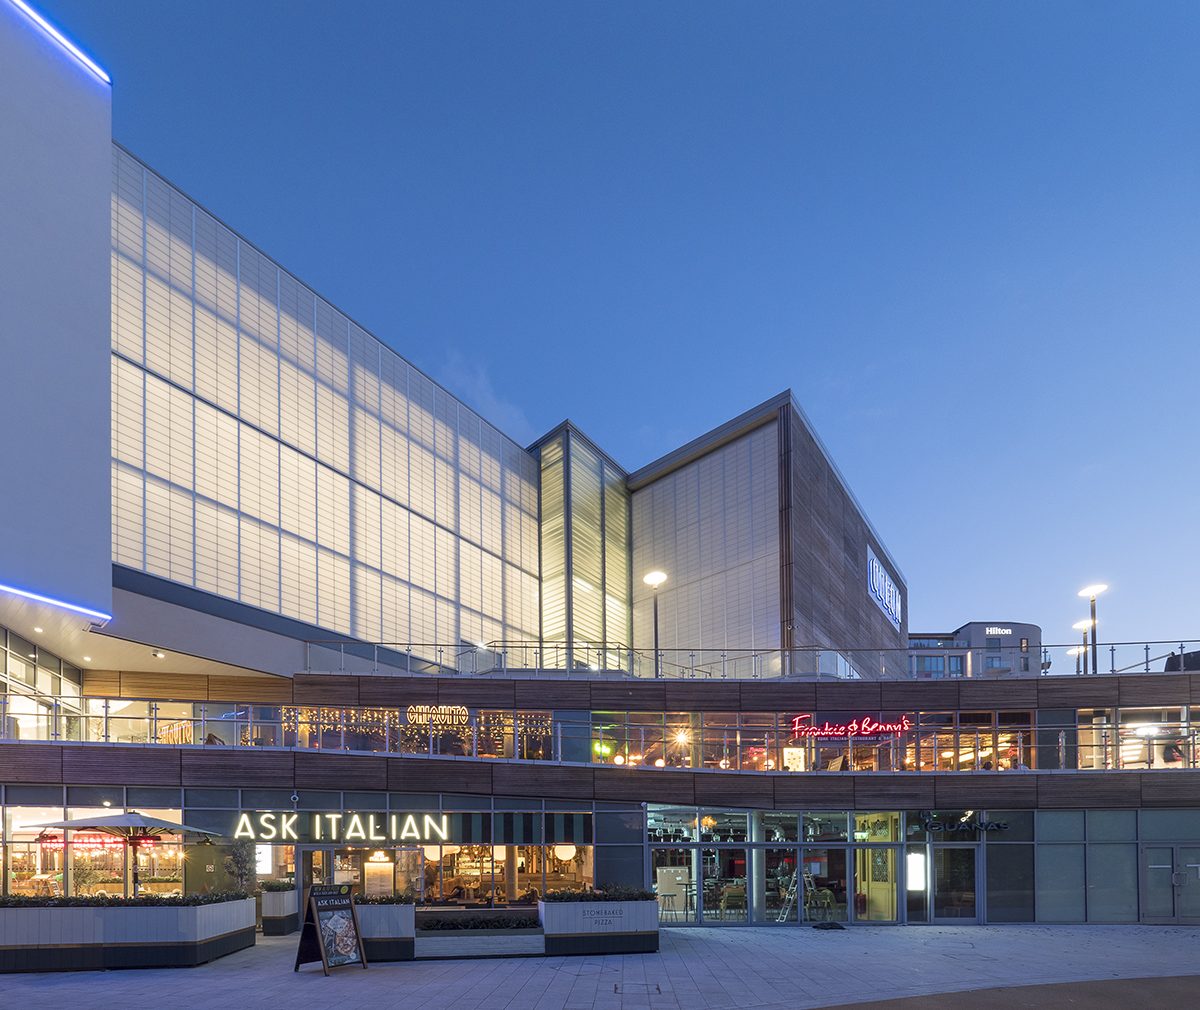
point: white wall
(55, 182)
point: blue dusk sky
(967, 235)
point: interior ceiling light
(158, 654)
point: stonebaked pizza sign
(330, 932)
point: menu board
(330, 932)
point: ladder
(789, 898)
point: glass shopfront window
(825, 884)
(726, 897)
(1014, 741)
(719, 748)
(673, 876)
(777, 899)
(36, 859)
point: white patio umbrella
(133, 826)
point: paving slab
(701, 968)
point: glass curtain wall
(585, 556)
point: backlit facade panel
(268, 450)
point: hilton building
(261, 575)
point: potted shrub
(607, 920)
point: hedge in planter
(67, 934)
(608, 920)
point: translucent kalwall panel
(270, 451)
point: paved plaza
(696, 969)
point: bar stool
(667, 906)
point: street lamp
(1083, 626)
(1077, 652)
(1090, 593)
(655, 579)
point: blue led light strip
(70, 47)
(29, 595)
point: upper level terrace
(1132, 720)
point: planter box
(599, 927)
(76, 939)
(280, 912)
(388, 931)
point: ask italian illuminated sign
(804, 727)
(338, 826)
(883, 590)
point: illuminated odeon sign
(439, 716)
(883, 590)
(803, 727)
(338, 826)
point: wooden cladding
(249, 768)
(345, 690)
(168, 686)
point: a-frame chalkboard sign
(330, 932)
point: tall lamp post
(655, 579)
(1077, 652)
(1083, 626)
(1090, 593)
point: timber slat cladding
(699, 695)
(1080, 790)
(532, 780)
(1170, 689)
(325, 689)
(1170, 788)
(265, 690)
(813, 792)
(892, 792)
(1077, 692)
(785, 698)
(241, 766)
(642, 786)
(138, 766)
(102, 683)
(175, 686)
(620, 696)
(987, 790)
(559, 694)
(717, 790)
(865, 696)
(424, 775)
(477, 693)
(341, 771)
(974, 695)
(918, 696)
(397, 692)
(22, 763)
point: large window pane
(1010, 883)
(1112, 883)
(1061, 891)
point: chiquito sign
(339, 826)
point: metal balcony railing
(1165, 737)
(609, 660)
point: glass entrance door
(1171, 883)
(953, 884)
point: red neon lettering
(803, 727)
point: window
(954, 666)
(992, 644)
(1024, 664)
(993, 663)
(1024, 644)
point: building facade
(283, 587)
(979, 649)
